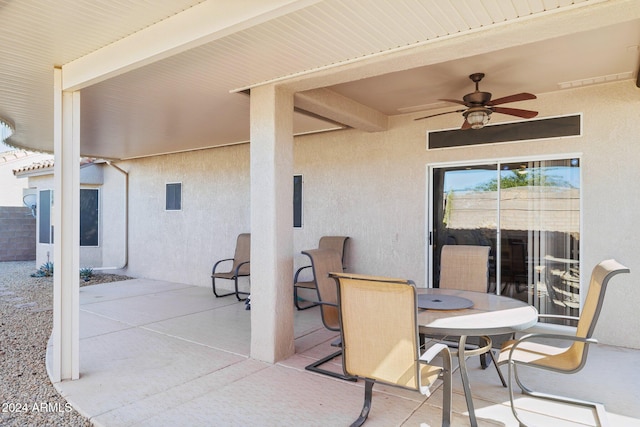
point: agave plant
(45, 270)
(86, 273)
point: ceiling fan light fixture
(477, 119)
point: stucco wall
(113, 196)
(372, 187)
(182, 245)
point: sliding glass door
(528, 212)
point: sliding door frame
(430, 208)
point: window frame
(97, 218)
(167, 196)
(48, 217)
(298, 202)
(429, 216)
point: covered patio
(230, 100)
(159, 353)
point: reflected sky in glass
(468, 179)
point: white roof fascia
(201, 24)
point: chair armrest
(558, 316)
(330, 304)
(530, 337)
(553, 328)
(432, 352)
(216, 264)
(240, 265)
(295, 277)
(442, 350)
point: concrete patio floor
(155, 353)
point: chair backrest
(335, 243)
(324, 261)
(379, 330)
(590, 312)
(518, 256)
(243, 253)
(464, 267)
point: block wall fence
(17, 234)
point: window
(45, 229)
(89, 218)
(174, 196)
(528, 212)
(556, 127)
(297, 201)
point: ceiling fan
(480, 106)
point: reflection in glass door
(528, 213)
(463, 213)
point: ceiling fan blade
(440, 114)
(466, 125)
(525, 114)
(455, 101)
(512, 98)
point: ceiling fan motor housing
(471, 110)
(477, 98)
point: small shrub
(86, 273)
(45, 270)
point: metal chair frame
(485, 343)
(337, 243)
(323, 262)
(239, 269)
(602, 273)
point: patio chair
(380, 339)
(514, 268)
(567, 360)
(240, 267)
(466, 267)
(324, 261)
(336, 243)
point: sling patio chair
(525, 351)
(324, 261)
(240, 267)
(336, 243)
(380, 339)
(514, 267)
(466, 268)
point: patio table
(489, 315)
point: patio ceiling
(358, 61)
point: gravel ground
(27, 397)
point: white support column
(271, 224)
(66, 196)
